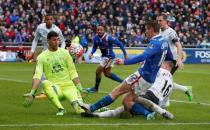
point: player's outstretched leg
(152, 106)
(105, 101)
(52, 93)
(186, 89)
(189, 93)
(114, 77)
(138, 109)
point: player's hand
(119, 61)
(83, 93)
(29, 98)
(90, 56)
(29, 56)
(79, 87)
(180, 64)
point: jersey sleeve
(35, 40)
(39, 69)
(173, 37)
(95, 46)
(71, 67)
(118, 43)
(148, 52)
(62, 40)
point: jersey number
(166, 88)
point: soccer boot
(91, 90)
(151, 116)
(189, 93)
(168, 115)
(85, 106)
(60, 112)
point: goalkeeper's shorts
(63, 92)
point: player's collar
(105, 34)
(156, 36)
(165, 29)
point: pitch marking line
(104, 92)
(14, 80)
(103, 124)
(200, 103)
(179, 101)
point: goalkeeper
(62, 81)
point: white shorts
(107, 62)
(137, 83)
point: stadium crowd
(122, 18)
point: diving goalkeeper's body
(62, 80)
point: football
(75, 50)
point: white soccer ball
(75, 50)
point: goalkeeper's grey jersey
(41, 34)
(172, 38)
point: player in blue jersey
(105, 43)
(157, 94)
(145, 76)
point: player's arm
(35, 84)
(119, 44)
(94, 48)
(179, 52)
(73, 72)
(78, 83)
(34, 44)
(175, 39)
(62, 39)
(151, 50)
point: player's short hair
(170, 63)
(153, 24)
(102, 26)
(48, 14)
(52, 34)
(164, 15)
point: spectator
(189, 18)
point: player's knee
(98, 73)
(107, 74)
(45, 83)
(127, 103)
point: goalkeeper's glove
(83, 93)
(29, 98)
(79, 88)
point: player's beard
(53, 47)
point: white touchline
(179, 101)
(14, 80)
(105, 124)
(104, 92)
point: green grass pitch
(15, 80)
